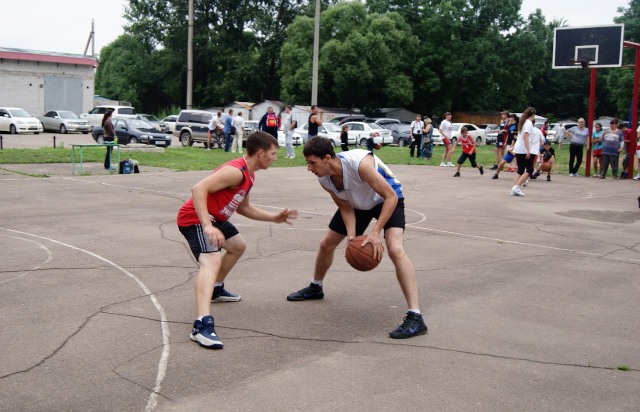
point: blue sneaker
(412, 325)
(312, 291)
(220, 294)
(204, 333)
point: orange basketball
(360, 258)
(546, 166)
(378, 146)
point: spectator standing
(629, 137)
(446, 130)
(512, 131)
(291, 154)
(560, 135)
(416, 135)
(269, 123)
(344, 138)
(287, 128)
(501, 140)
(427, 139)
(238, 124)
(596, 149)
(468, 145)
(579, 135)
(109, 136)
(315, 121)
(613, 142)
(228, 124)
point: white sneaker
(450, 165)
(442, 164)
(637, 177)
(292, 156)
(516, 191)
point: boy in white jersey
(363, 188)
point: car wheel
(63, 129)
(133, 140)
(12, 129)
(401, 142)
(185, 139)
(363, 143)
(478, 141)
(100, 139)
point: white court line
(152, 402)
(126, 187)
(23, 274)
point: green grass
(196, 158)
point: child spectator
(596, 141)
(548, 156)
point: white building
(41, 81)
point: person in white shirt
(238, 123)
(287, 128)
(416, 135)
(522, 150)
(446, 130)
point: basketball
(359, 257)
(546, 166)
(378, 146)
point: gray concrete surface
(532, 303)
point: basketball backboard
(597, 46)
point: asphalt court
(531, 303)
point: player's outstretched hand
(286, 215)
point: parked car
(97, 113)
(170, 121)
(134, 131)
(350, 118)
(64, 121)
(163, 127)
(401, 133)
(489, 127)
(192, 127)
(382, 121)
(553, 130)
(326, 130)
(473, 130)
(16, 120)
(360, 131)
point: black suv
(192, 127)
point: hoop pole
(592, 103)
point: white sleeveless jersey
(357, 192)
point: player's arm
(246, 209)
(370, 175)
(347, 212)
(228, 176)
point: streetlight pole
(316, 50)
(190, 57)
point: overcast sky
(64, 25)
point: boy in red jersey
(468, 144)
(203, 220)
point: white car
(97, 113)
(171, 122)
(553, 130)
(360, 132)
(327, 130)
(64, 121)
(16, 120)
(477, 133)
(251, 126)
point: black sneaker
(534, 175)
(548, 178)
(412, 325)
(312, 291)
(481, 170)
(495, 176)
(457, 174)
(220, 294)
(494, 167)
(204, 333)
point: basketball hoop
(582, 62)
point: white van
(97, 113)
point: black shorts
(501, 140)
(198, 241)
(525, 164)
(472, 158)
(364, 217)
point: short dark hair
(319, 147)
(260, 140)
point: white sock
(316, 282)
(201, 317)
(218, 284)
(417, 311)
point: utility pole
(190, 58)
(92, 40)
(316, 51)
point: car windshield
(331, 127)
(68, 115)
(150, 118)
(19, 113)
(456, 127)
(140, 124)
(375, 126)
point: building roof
(47, 57)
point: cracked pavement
(531, 302)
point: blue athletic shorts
(508, 157)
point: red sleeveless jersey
(221, 204)
(466, 143)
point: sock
(316, 282)
(416, 311)
(218, 284)
(201, 317)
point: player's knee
(396, 252)
(328, 245)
